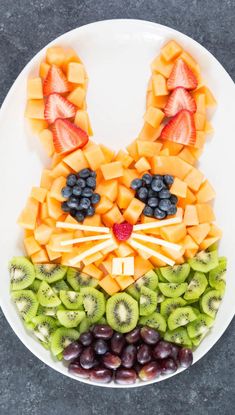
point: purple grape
(117, 343)
(111, 361)
(76, 369)
(72, 351)
(174, 351)
(86, 338)
(150, 371)
(102, 331)
(87, 358)
(149, 335)
(128, 356)
(144, 354)
(100, 346)
(125, 376)
(168, 366)
(133, 336)
(101, 375)
(185, 357)
(162, 350)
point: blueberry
(147, 178)
(81, 183)
(95, 198)
(159, 214)
(67, 191)
(93, 173)
(153, 202)
(164, 204)
(87, 192)
(151, 193)
(91, 182)
(85, 203)
(142, 193)
(77, 190)
(172, 210)
(168, 179)
(136, 184)
(80, 216)
(71, 180)
(148, 211)
(173, 199)
(73, 212)
(65, 207)
(157, 185)
(90, 211)
(158, 176)
(73, 203)
(84, 173)
(164, 194)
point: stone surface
(29, 387)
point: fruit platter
(120, 272)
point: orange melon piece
(92, 258)
(70, 219)
(77, 97)
(43, 213)
(187, 156)
(56, 188)
(174, 148)
(132, 150)
(191, 216)
(157, 262)
(76, 160)
(42, 234)
(128, 176)
(56, 239)
(205, 213)
(179, 188)
(36, 126)
(209, 97)
(104, 205)
(164, 152)
(82, 120)
(55, 55)
(199, 232)
(124, 158)
(61, 169)
(159, 85)
(124, 281)
(52, 223)
(109, 285)
(28, 216)
(112, 170)
(56, 159)
(146, 219)
(148, 132)
(161, 66)
(142, 165)
(208, 242)
(148, 148)
(35, 109)
(133, 211)
(196, 152)
(205, 193)
(208, 128)
(124, 250)
(114, 215)
(174, 233)
(43, 69)
(171, 50)
(177, 256)
(194, 179)
(201, 103)
(125, 195)
(94, 156)
(70, 56)
(215, 231)
(170, 165)
(78, 233)
(34, 88)
(46, 138)
(106, 265)
(75, 73)
(200, 139)
(31, 245)
(190, 253)
(40, 257)
(200, 120)
(108, 189)
(108, 153)
(66, 256)
(38, 193)
(153, 101)
(189, 200)
(188, 59)
(46, 179)
(54, 208)
(94, 220)
(141, 267)
(53, 255)
(189, 243)
(154, 116)
(93, 271)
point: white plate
(117, 55)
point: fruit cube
(38, 193)
(200, 139)
(43, 69)
(124, 158)
(82, 120)
(148, 148)
(199, 232)
(208, 128)
(55, 55)
(133, 211)
(94, 156)
(187, 156)
(125, 195)
(142, 165)
(76, 160)
(188, 59)
(43, 213)
(36, 126)
(208, 242)
(112, 170)
(190, 253)
(70, 56)
(148, 132)
(40, 257)
(29, 214)
(54, 208)
(205, 213)
(170, 165)
(104, 205)
(46, 138)
(34, 88)
(124, 281)
(114, 215)
(159, 85)
(176, 256)
(46, 179)
(160, 65)
(35, 109)
(179, 188)
(67, 256)
(128, 176)
(189, 243)
(61, 169)
(75, 73)
(54, 255)
(92, 258)
(57, 187)
(124, 250)
(77, 97)
(42, 234)
(108, 189)
(31, 245)
(205, 193)
(191, 216)
(93, 271)
(201, 103)
(132, 150)
(108, 153)
(174, 233)
(171, 50)
(215, 231)
(57, 238)
(109, 285)
(94, 220)
(154, 116)
(106, 265)
(142, 266)
(194, 179)
(200, 120)
(156, 101)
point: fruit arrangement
(126, 242)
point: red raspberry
(122, 231)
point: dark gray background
(26, 385)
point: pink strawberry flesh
(122, 231)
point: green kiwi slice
(198, 339)
(26, 303)
(148, 301)
(204, 261)
(210, 302)
(178, 336)
(170, 304)
(172, 289)
(61, 338)
(49, 311)
(200, 325)
(94, 303)
(122, 312)
(160, 297)
(46, 296)
(102, 321)
(177, 273)
(60, 285)
(196, 286)
(180, 317)
(217, 276)
(155, 320)
(70, 318)
(71, 299)
(44, 327)
(35, 285)
(85, 325)
(78, 279)
(149, 280)
(50, 272)
(22, 273)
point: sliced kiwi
(210, 302)
(180, 317)
(217, 276)
(61, 338)
(102, 321)
(148, 301)
(149, 280)
(60, 285)
(71, 299)
(94, 303)
(170, 304)
(70, 318)
(178, 336)
(50, 272)
(46, 296)
(22, 273)
(196, 286)
(44, 327)
(35, 285)
(195, 310)
(49, 311)
(122, 312)
(200, 325)
(172, 289)
(160, 297)
(155, 320)
(177, 273)
(198, 339)
(26, 303)
(78, 279)
(204, 261)
(85, 325)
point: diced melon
(109, 285)
(104, 205)
(142, 266)
(70, 219)
(190, 253)
(29, 214)
(174, 148)
(94, 220)
(35, 109)
(46, 138)
(200, 139)
(179, 188)
(77, 97)
(128, 176)
(188, 59)
(106, 264)
(57, 238)
(75, 73)
(159, 85)
(52, 223)
(208, 242)
(55, 55)
(94, 156)
(205, 193)
(149, 133)
(148, 148)
(187, 156)
(153, 101)
(54, 255)
(191, 216)
(31, 245)
(209, 97)
(92, 258)
(194, 179)
(199, 232)
(174, 233)
(108, 153)
(82, 120)
(215, 231)
(93, 271)
(171, 50)
(164, 152)
(157, 262)
(42, 234)
(124, 250)
(133, 211)
(34, 88)
(124, 281)
(78, 233)
(38, 193)
(44, 69)
(205, 213)
(57, 187)
(61, 169)
(161, 66)
(70, 55)
(108, 189)
(40, 257)
(170, 165)
(132, 150)
(36, 126)
(114, 215)
(196, 152)
(199, 120)
(112, 170)
(56, 159)
(76, 160)
(201, 103)
(46, 179)
(54, 208)
(124, 158)
(176, 256)
(125, 195)
(189, 243)
(208, 128)
(43, 212)
(67, 256)
(142, 165)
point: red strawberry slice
(55, 82)
(67, 136)
(122, 231)
(180, 129)
(58, 107)
(181, 75)
(179, 99)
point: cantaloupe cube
(170, 165)
(200, 103)
(104, 205)
(108, 153)
(46, 179)
(189, 200)
(124, 281)
(142, 165)
(188, 59)
(42, 234)
(67, 256)
(124, 158)
(93, 271)
(36, 126)
(38, 193)
(154, 116)
(110, 248)
(34, 88)
(153, 101)
(177, 256)
(57, 187)
(187, 156)
(157, 262)
(108, 189)
(35, 109)
(94, 156)
(189, 243)
(70, 56)
(161, 66)
(29, 214)
(196, 152)
(55, 55)
(179, 188)
(92, 258)
(164, 152)
(43, 212)
(205, 213)
(82, 121)
(174, 233)
(159, 85)
(199, 120)
(77, 96)
(44, 69)
(46, 138)
(191, 216)
(106, 264)
(171, 50)
(141, 267)
(75, 73)
(53, 255)
(133, 211)
(190, 253)
(61, 169)
(94, 220)
(200, 139)
(208, 242)
(199, 232)
(125, 195)
(114, 215)
(194, 179)
(208, 128)
(148, 132)
(209, 97)
(128, 176)
(52, 223)
(215, 231)
(56, 239)
(31, 245)
(54, 208)
(205, 193)
(109, 285)
(148, 148)
(76, 160)
(174, 148)
(112, 170)
(40, 257)
(132, 150)
(124, 250)
(56, 159)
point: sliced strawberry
(180, 129)
(67, 136)
(57, 106)
(122, 231)
(181, 75)
(180, 99)
(55, 82)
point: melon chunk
(124, 158)
(94, 156)
(148, 148)
(179, 188)
(40, 257)
(205, 213)
(189, 200)
(149, 133)
(36, 126)
(55, 55)
(46, 179)
(44, 69)
(92, 258)
(76, 160)
(57, 238)
(132, 150)
(142, 266)
(54, 255)
(128, 176)
(106, 265)
(156, 101)
(124, 281)
(34, 88)
(93, 271)
(188, 59)
(54, 208)
(208, 128)
(35, 109)
(46, 138)
(161, 66)
(57, 187)
(215, 231)
(42, 234)
(114, 215)
(109, 285)
(190, 253)
(125, 195)
(38, 193)
(31, 245)
(194, 179)
(142, 165)
(124, 250)
(133, 211)
(154, 116)
(199, 120)
(159, 85)
(75, 73)
(108, 189)
(77, 97)
(43, 213)
(187, 156)
(29, 214)
(61, 169)
(112, 170)
(67, 256)
(174, 233)
(94, 220)
(174, 148)
(200, 139)
(104, 205)
(208, 242)
(191, 216)
(82, 120)
(171, 50)
(170, 165)
(189, 243)
(199, 232)
(108, 153)
(206, 193)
